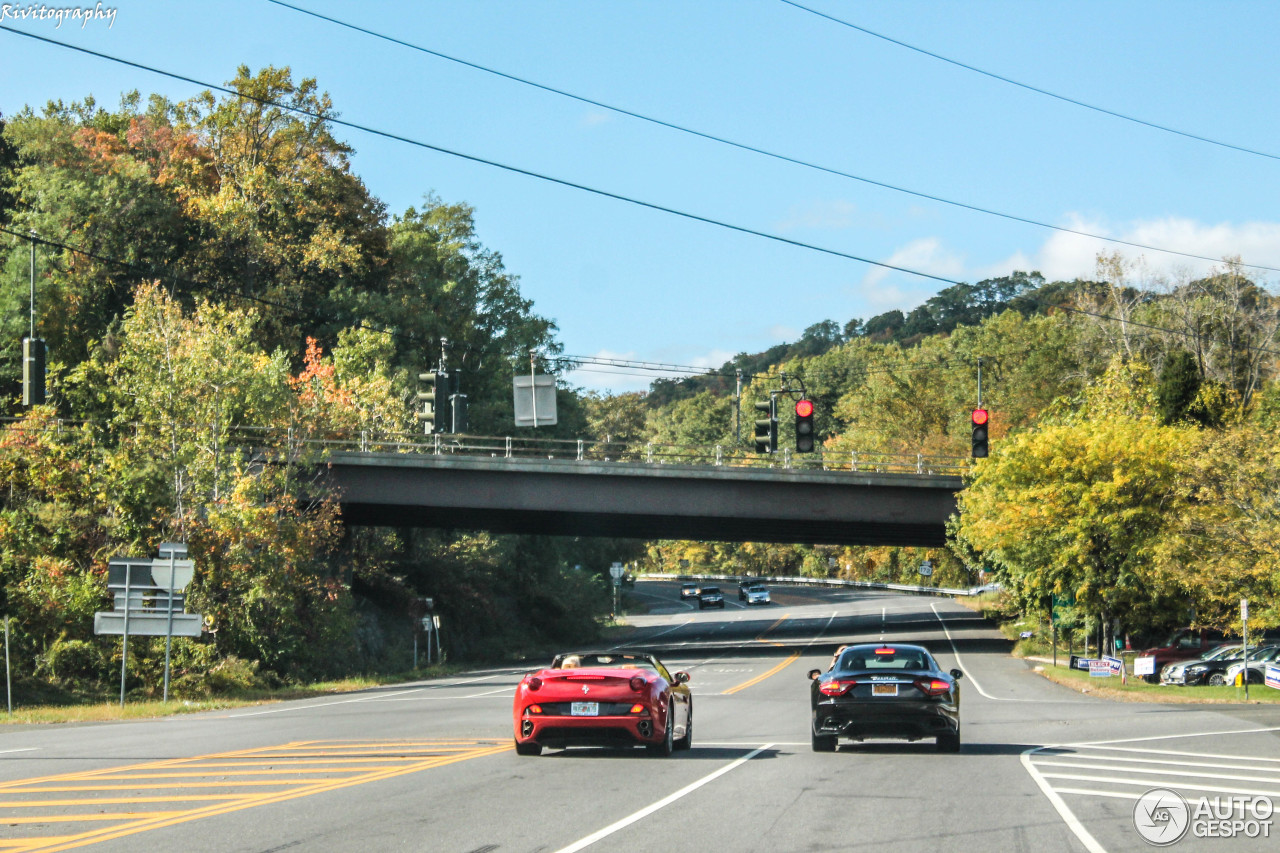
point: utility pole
(737, 407)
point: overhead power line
(742, 146)
(1036, 89)
(559, 181)
(741, 229)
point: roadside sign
(1244, 610)
(1273, 676)
(1100, 668)
(926, 568)
(1145, 665)
(617, 571)
(1080, 663)
(1115, 665)
(535, 400)
(147, 623)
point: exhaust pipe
(526, 728)
(645, 727)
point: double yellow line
(374, 760)
(792, 658)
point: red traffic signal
(980, 418)
(804, 426)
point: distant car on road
(603, 699)
(758, 594)
(688, 590)
(885, 690)
(743, 586)
(710, 596)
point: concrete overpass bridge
(639, 499)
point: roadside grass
(1039, 647)
(1138, 690)
(94, 709)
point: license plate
(584, 709)
(884, 690)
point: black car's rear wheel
(528, 748)
(949, 742)
(824, 743)
(1217, 679)
(668, 744)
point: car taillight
(837, 688)
(638, 682)
(933, 686)
(637, 708)
(533, 683)
(533, 709)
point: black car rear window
(715, 590)
(868, 659)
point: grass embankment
(1039, 647)
(94, 709)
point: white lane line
(507, 689)
(1130, 760)
(959, 660)
(1176, 751)
(1103, 743)
(647, 639)
(24, 749)
(1079, 765)
(404, 696)
(665, 801)
(1073, 823)
(1147, 783)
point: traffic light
(980, 418)
(427, 397)
(767, 427)
(32, 372)
(804, 426)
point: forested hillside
(213, 267)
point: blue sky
(627, 282)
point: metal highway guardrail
(297, 442)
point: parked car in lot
(710, 596)
(758, 594)
(1257, 667)
(1183, 644)
(688, 590)
(1200, 670)
(885, 690)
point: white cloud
(1066, 256)
(926, 255)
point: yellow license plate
(884, 690)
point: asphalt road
(429, 766)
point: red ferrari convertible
(603, 699)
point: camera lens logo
(1161, 817)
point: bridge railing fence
(296, 441)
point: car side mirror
(815, 674)
(955, 673)
(682, 677)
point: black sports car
(885, 690)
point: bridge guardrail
(580, 450)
